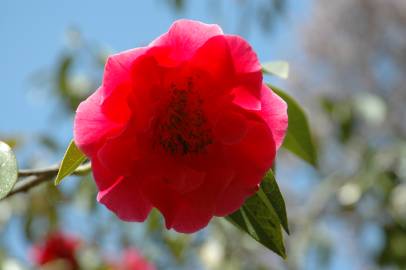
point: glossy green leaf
(265, 224)
(8, 169)
(72, 159)
(238, 219)
(263, 215)
(277, 68)
(270, 193)
(298, 138)
(261, 222)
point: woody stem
(30, 178)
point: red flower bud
(57, 247)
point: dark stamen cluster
(182, 127)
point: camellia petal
(116, 71)
(91, 125)
(256, 151)
(219, 65)
(104, 178)
(137, 207)
(244, 58)
(231, 127)
(248, 70)
(244, 98)
(194, 210)
(185, 37)
(184, 125)
(233, 197)
(274, 112)
(114, 155)
(249, 158)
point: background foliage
(347, 59)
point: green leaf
(261, 223)
(8, 170)
(72, 159)
(298, 139)
(263, 215)
(266, 225)
(277, 68)
(270, 193)
(238, 219)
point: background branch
(33, 177)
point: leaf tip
(276, 68)
(71, 161)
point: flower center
(181, 127)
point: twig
(34, 177)
(49, 170)
(53, 170)
(29, 182)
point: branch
(53, 170)
(49, 170)
(34, 177)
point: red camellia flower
(57, 246)
(131, 260)
(185, 125)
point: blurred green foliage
(361, 146)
